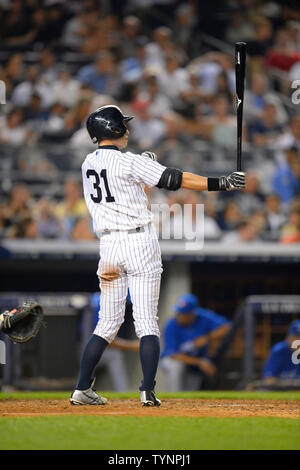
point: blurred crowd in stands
(171, 65)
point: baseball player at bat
(113, 185)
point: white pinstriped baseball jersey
(113, 185)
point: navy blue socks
(90, 358)
(149, 355)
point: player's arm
(192, 181)
(125, 344)
(213, 335)
(235, 180)
(273, 367)
(204, 364)
(270, 381)
(173, 178)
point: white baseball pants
(129, 260)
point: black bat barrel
(240, 67)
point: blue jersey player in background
(283, 363)
(187, 337)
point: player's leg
(113, 286)
(111, 316)
(144, 289)
(117, 369)
(179, 376)
(192, 380)
(144, 274)
(174, 372)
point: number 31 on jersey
(97, 196)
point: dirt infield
(170, 407)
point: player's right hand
(151, 155)
(236, 180)
(207, 366)
(188, 347)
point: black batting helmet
(107, 122)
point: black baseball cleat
(148, 398)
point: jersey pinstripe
(113, 186)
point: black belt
(132, 230)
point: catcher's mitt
(22, 323)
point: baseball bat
(240, 67)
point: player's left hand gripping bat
(240, 67)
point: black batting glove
(236, 180)
(150, 155)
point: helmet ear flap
(117, 130)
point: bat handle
(239, 163)
(239, 145)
